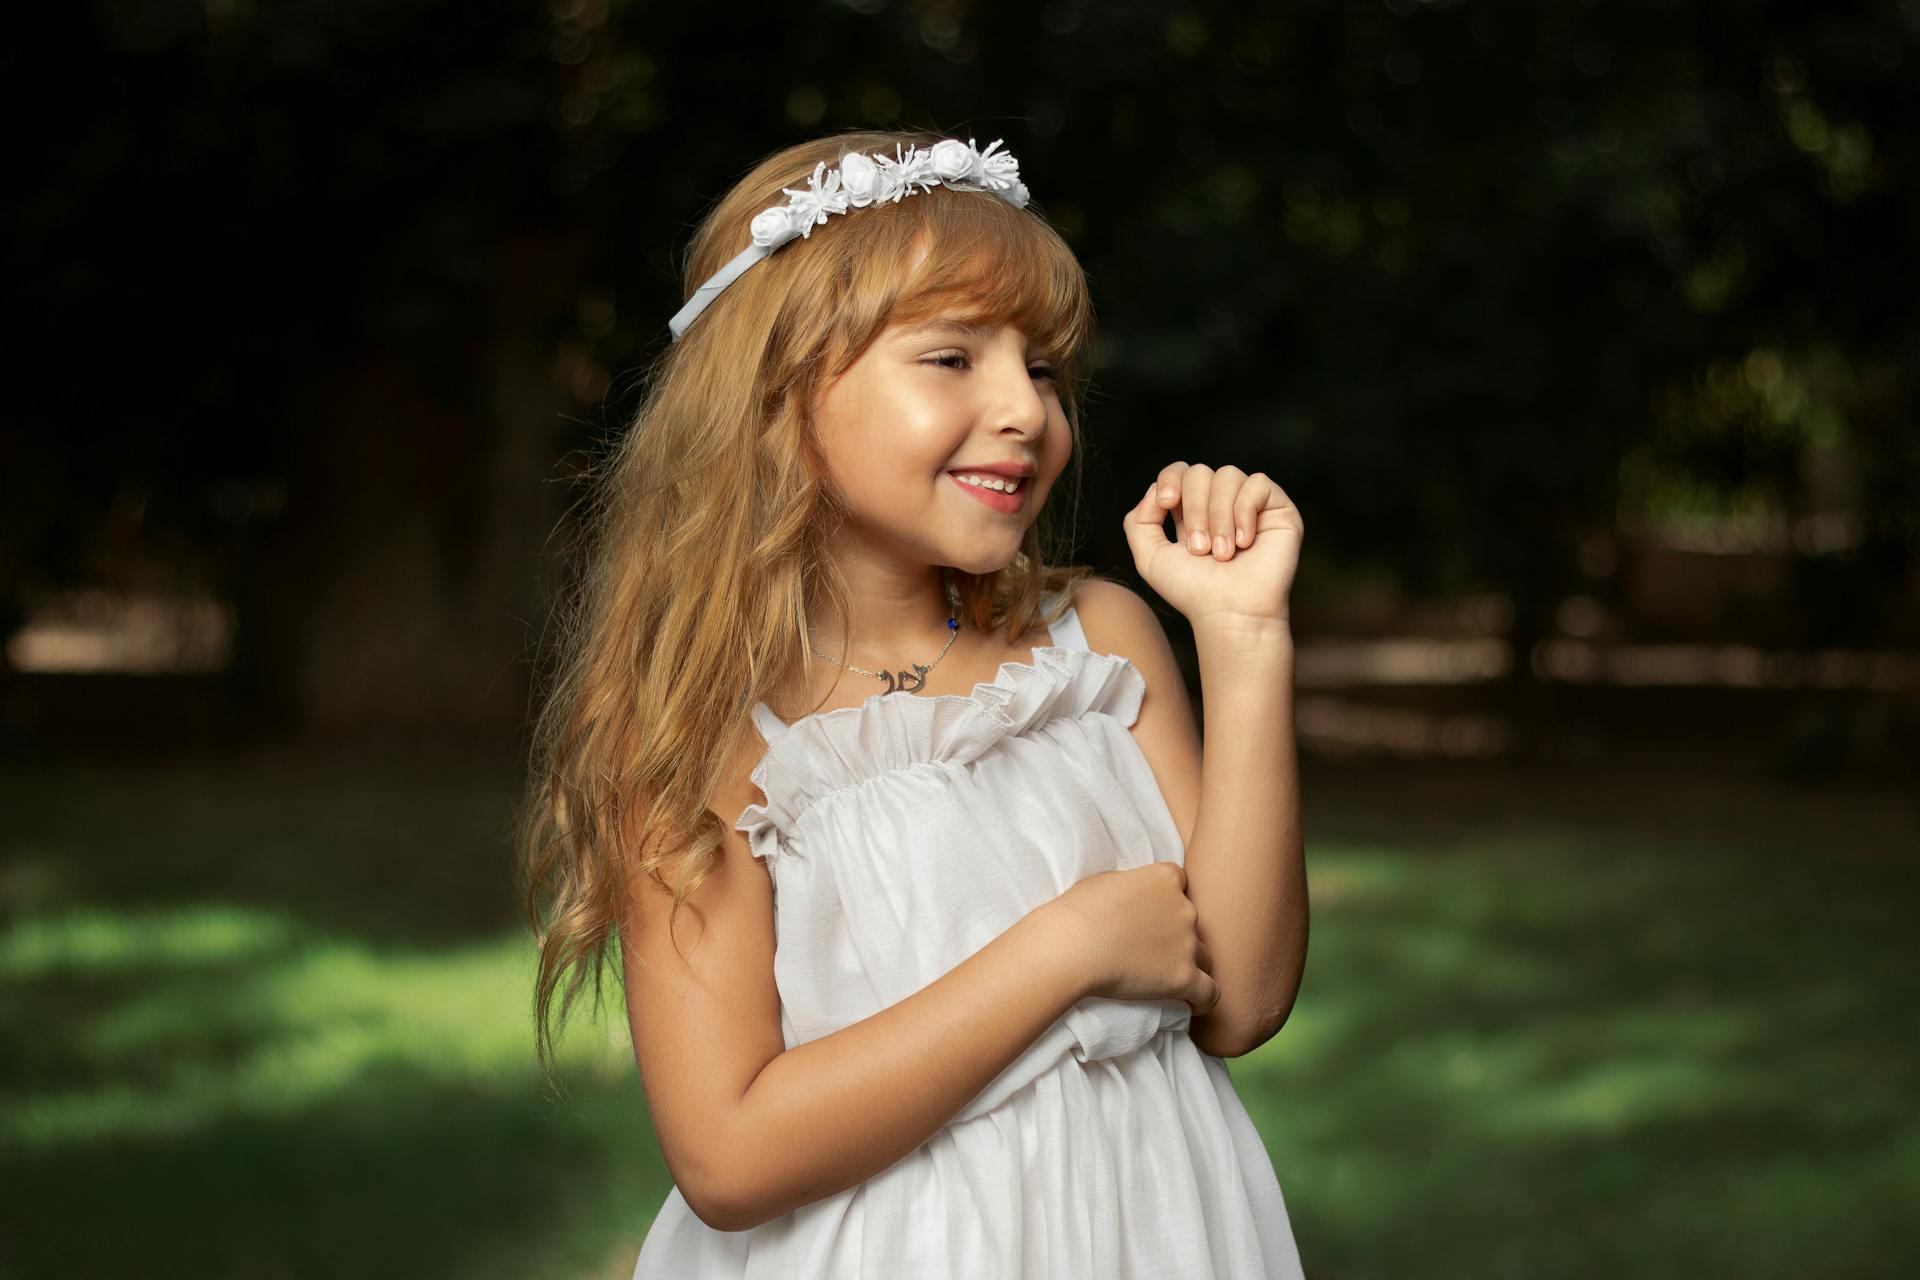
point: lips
(1007, 502)
(1006, 470)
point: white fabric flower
(1001, 173)
(860, 179)
(916, 171)
(953, 159)
(810, 207)
(773, 226)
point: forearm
(831, 1113)
(1246, 865)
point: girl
(950, 997)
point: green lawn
(269, 1018)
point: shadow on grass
(413, 852)
(400, 1175)
(129, 1028)
(216, 1092)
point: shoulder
(1115, 611)
(734, 789)
(1119, 621)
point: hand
(1250, 574)
(1136, 930)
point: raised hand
(1251, 533)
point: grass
(269, 1018)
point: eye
(957, 359)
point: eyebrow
(944, 325)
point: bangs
(993, 264)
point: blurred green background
(1581, 332)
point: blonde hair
(706, 528)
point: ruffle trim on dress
(830, 750)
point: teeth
(989, 482)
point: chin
(982, 565)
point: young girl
(950, 997)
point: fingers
(1226, 486)
(1146, 527)
(1212, 513)
(1167, 484)
(1167, 488)
(1215, 511)
(1195, 480)
(1246, 507)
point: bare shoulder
(1118, 620)
(734, 790)
(1115, 608)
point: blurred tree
(317, 252)
(1457, 273)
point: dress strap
(1067, 632)
(770, 725)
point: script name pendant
(897, 681)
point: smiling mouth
(998, 499)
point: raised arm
(1246, 864)
(1236, 804)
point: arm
(1246, 862)
(750, 1129)
(833, 1112)
(1236, 803)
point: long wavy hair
(703, 536)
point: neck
(895, 620)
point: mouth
(1007, 502)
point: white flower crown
(856, 182)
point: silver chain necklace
(905, 681)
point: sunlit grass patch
(1596, 1050)
(104, 940)
(238, 1085)
(285, 1018)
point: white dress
(903, 835)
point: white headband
(858, 181)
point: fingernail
(1199, 540)
(1220, 546)
(1166, 495)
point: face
(927, 400)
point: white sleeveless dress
(903, 835)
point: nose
(1017, 403)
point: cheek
(1059, 450)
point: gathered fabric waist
(1094, 1028)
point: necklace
(905, 681)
